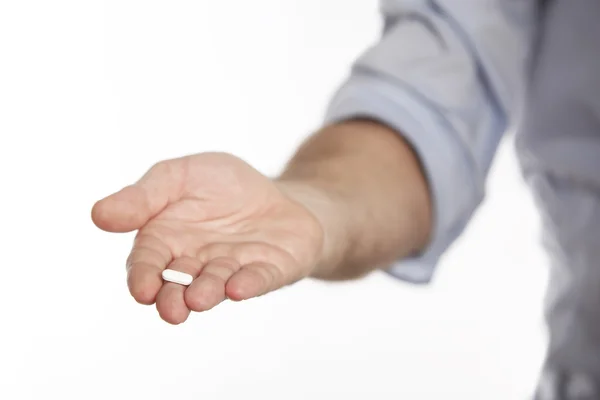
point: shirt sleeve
(445, 75)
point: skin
(352, 200)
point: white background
(92, 93)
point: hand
(218, 219)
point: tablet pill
(177, 277)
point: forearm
(365, 185)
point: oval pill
(177, 277)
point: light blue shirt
(453, 76)
(448, 75)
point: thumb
(132, 207)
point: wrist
(328, 210)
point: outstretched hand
(216, 218)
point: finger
(133, 206)
(254, 280)
(148, 257)
(208, 289)
(170, 301)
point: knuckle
(254, 252)
(222, 267)
(185, 264)
(161, 166)
(214, 251)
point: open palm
(216, 218)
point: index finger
(148, 258)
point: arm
(353, 176)
(443, 88)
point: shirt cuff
(446, 161)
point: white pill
(177, 277)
